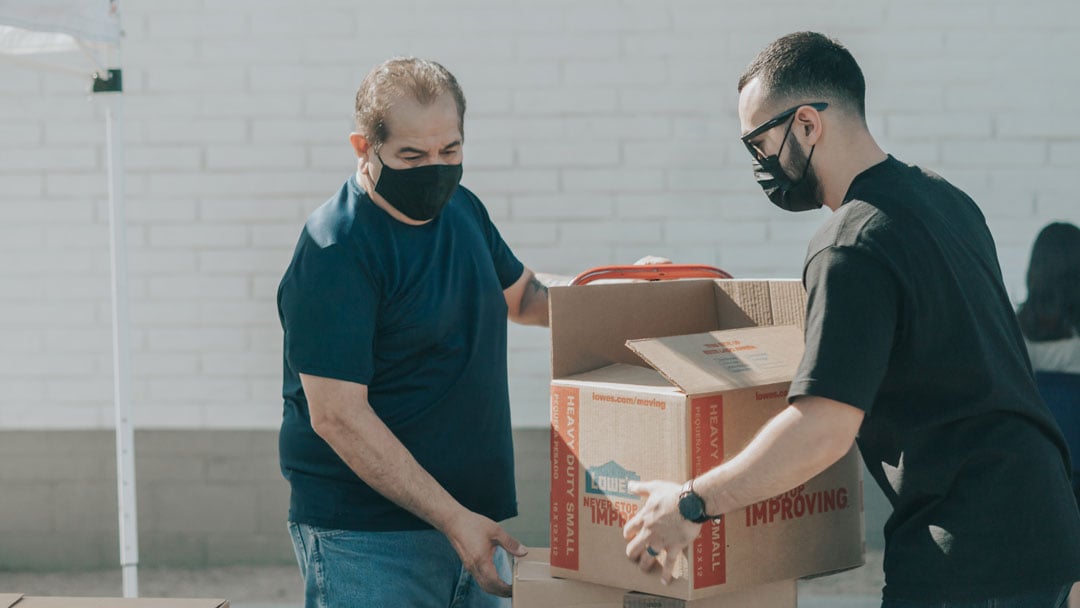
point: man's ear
(360, 144)
(809, 122)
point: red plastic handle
(651, 272)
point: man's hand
(658, 525)
(475, 538)
(651, 260)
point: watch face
(691, 507)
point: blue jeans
(346, 568)
(1048, 598)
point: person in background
(396, 437)
(912, 348)
(1050, 320)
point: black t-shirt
(908, 320)
(417, 314)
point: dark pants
(1049, 598)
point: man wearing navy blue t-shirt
(396, 432)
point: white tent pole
(29, 27)
(125, 436)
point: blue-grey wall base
(205, 498)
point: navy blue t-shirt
(417, 314)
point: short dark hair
(1052, 309)
(402, 77)
(808, 66)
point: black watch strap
(692, 505)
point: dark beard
(809, 181)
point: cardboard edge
(692, 388)
(810, 577)
(632, 345)
(663, 308)
(681, 589)
(554, 293)
(16, 600)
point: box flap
(619, 375)
(115, 602)
(724, 360)
(590, 324)
(7, 600)
(534, 566)
(745, 303)
(534, 587)
(533, 571)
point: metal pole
(125, 436)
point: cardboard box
(18, 600)
(701, 398)
(534, 587)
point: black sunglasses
(772, 122)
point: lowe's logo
(610, 479)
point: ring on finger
(651, 551)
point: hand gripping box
(666, 381)
(534, 587)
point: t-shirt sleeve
(507, 266)
(328, 304)
(851, 320)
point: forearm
(797, 444)
(342, 416)
(372, 451)
(534, 301)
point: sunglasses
(756, 152)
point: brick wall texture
(597, 132)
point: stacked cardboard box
(17, 600)
(665, 381)
(534, 587)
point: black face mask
(420, 193)
(784, 192)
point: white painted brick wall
(597, 132)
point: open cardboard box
(534, 587)
(666, 381)
(18, 600)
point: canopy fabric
(52, 26)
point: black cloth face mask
(420, 193)
(784, 192)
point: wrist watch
(692, 505)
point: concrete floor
(280, 586)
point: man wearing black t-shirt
(912, 349)
(396, 434)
